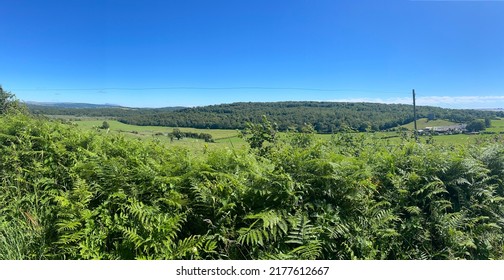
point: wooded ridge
(325, 117)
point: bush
(476, 126)
(9, 103)
(105, 125)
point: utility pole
(414, 112)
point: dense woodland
(72, 194)
(325, 117)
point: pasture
(222, 137)
(230, 138)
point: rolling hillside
(325, 117)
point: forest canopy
(325, 117)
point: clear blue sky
(149, 53)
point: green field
(230, 138)
(497, 126)
(424, 122)
(222, 137)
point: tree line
(177, 133)
(325, 117)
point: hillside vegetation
(71, 194)
(68, 193)
(325, 117)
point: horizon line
(400, 101)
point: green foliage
(72, 194)
(488, 122)
(5, 100)
(260, 135)
(325, 117)
(476, 126)
(9, 103)
(105, 125)
(177, 133)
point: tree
(105, 125)
(476, 125)
(363, 127)
(259, 134)
(177, 133)
(6, 100)
(206, 136)
(488, 122)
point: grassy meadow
(497, 126)
(230, 138)
(222, 137)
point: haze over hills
(75, 105)
(78, 105)
(70, 105)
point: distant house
(448, 129)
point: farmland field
(151, 130)
(230, 138)
(497, 126)
(424, 122)
(222, 137)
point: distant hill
(69, 105)
(325, 117)
(493, 109)
(92, 110)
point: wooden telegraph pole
(414, 113)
